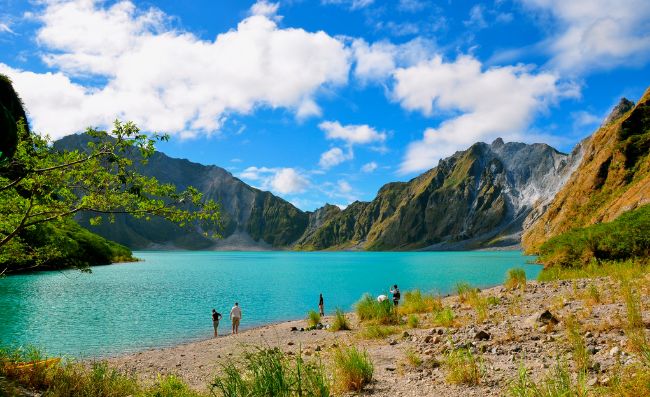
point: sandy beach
(513, 335)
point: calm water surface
(167, 298)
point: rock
(437, 339)
(405, 334)
(290, 344)
(546, 317)
(588, 334)
(428, 339)
(390, 369)
(293, 329)
(614, 351)
(604, 381)
(440, 331)
(318, 348)
(482, 335)
(392, 342)
(592, 382)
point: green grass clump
(630, 381)
(463, 290)
(630, 269)
(413, 321)
(557, 383)
(416, 302)
(634, 326)
(463, 367)
(369, 309)
(353, 369)
(581, 356)
(624, 238)
(444, 317)
(313, 318)
(373, 331)
(269, 372)
(169, 386)
(340, 322)
(516, 279)
(413, 358)
(493, 301)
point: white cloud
(378, 60)
(278, 180)
(411, 5)
(344, 186)
(485, 104)
(369, 167)
(335, 156)
(4, 28)
(265, 8)
(169, 80)
(596, 34)
(476, 18)
(352, 134)
(353, 4)
(583, 118)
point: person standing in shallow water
(321, 306)
(216, 316)
(396, 294)
(235, 317)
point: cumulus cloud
(335, 156)
(352, 134)
(369, 167)
(377, 61)
(596, 34)
(476, 18)
(265, 8)
(169, 80)
(278, 180)
(484, 104)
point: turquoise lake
(167, 298)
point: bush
(417, 302)
(463, 290)
(463, 367)
(413, 321)
(624, 238)
(340, 321)
(353, 369)
(269, 372)
(444, 317)
(313, 318)
(515, 278)
(369, 309)
(629, 269)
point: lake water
(167, 298)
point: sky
(324, 101)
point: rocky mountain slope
(613, 176)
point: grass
(413, 358)
(444, 317)
(463, 290)
(630, 381)
(463, 367)
(556, 383)
(515, 279)
(592, 295)
(369, 309)
(313, 318)
(416, 302)
(340, 322)
(373, 331)
(413, 321)
(630, 269)
(269, 372)
(581, 356)
(634, 326)
(353, 369)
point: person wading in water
(216, 316)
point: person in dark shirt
(216, 316)
(396, 294)
(321, 306)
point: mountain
(613, 176)
(474, 199)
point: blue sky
(326, 101)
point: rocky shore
(528, 329)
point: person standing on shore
(321, 305)
(235, 317)
(216, 316)
(396, 294)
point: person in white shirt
(235, 317)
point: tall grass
(444, 317)
(313, 318)
(515, 278)
(353, 369)
(340, 322)
(369, 309)
(463, 367)
(581, 356)
(556, 383)
(463, 290)
(416, 302)
(413, 321)
(269, 372)
(630, 269)
(634, 326)
(373, 331)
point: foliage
(463, 367)
(557, 383)
(624, 238)
(463, 290)
(516, 278)
(353, 369)
(413, 321)
(313, 318)
(416, 302)
(269, 372)
(413, 358)
(373, 331)
(369, 309)
(40, 185)
(11, 114)
(581, 356)
(617, 269)
(634, 325)
(444, 317)
(340, 322)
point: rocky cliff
(613, 176)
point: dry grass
(353, 369)
(463, 367)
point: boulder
(482, 335)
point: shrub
(413, 321)
(416, 302)
(629, 269)
(269, 372)
(373, 331)
(463, 367)
(463, 290)
(340, 321)
(369, 309)
(444, 317)
(516, 278)
(313, 318)
(353, 369)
